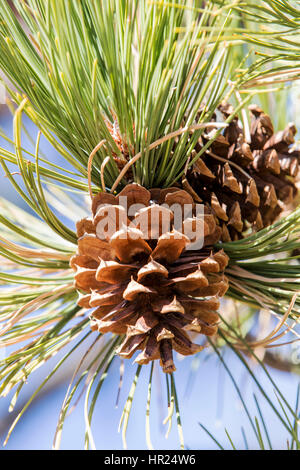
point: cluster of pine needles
(75, 69)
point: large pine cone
(247, 185)
(153, 290)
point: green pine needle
(134, 74)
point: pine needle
(148, 433)
(127, 408)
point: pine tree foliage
(130, 73)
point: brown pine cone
(152, 290)
(247, 185)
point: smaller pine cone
(247, 184)
(152, 290)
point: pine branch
(132, 74)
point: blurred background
(207, 394)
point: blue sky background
(207, 396)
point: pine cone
(153, 290)
(247, 186)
